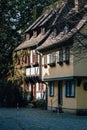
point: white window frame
(51, 89)
(70, 88)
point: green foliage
(15, 17)
(11, 94)
(39, 103)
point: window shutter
(67, 55)
(25, 59)
(18, 61)
(61, 56)
(28, 59)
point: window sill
(52, 64)
(70, 96)
(67, 62)
(35, 64)
(51, 96)
(60, 63)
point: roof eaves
(32, 25)
(35, 44)
(65, 37)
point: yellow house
(64, 61)
(54, 57)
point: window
(51, 89)
(27, 36)
(18, 61)
(35, 33)
(66, 29)
(67, 55)
(35, 58)
(26, 59)
(43, 30)
(54, 33)
(61, 56)
(69, 89)
(45, 61)
(52, 59)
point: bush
(10, 95)
(41, 103)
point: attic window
(54, 33)
(35, 33)
(66, 29)
(43, 30)
(27, 36)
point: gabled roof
(55, 22)
(61, 38)
(33, 41)
(49, 17)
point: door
(60, 93)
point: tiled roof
(55, 19)
(61, 37)
(39, 22)
(33, 41)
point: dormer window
(66, 29)
(27, 36)
(34, 33)
(43, 30)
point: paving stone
(36, 119)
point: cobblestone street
(34, 119)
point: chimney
(79, 4)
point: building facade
(52, 61)
(64, 61)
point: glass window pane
(45, 60)
(70, 88)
